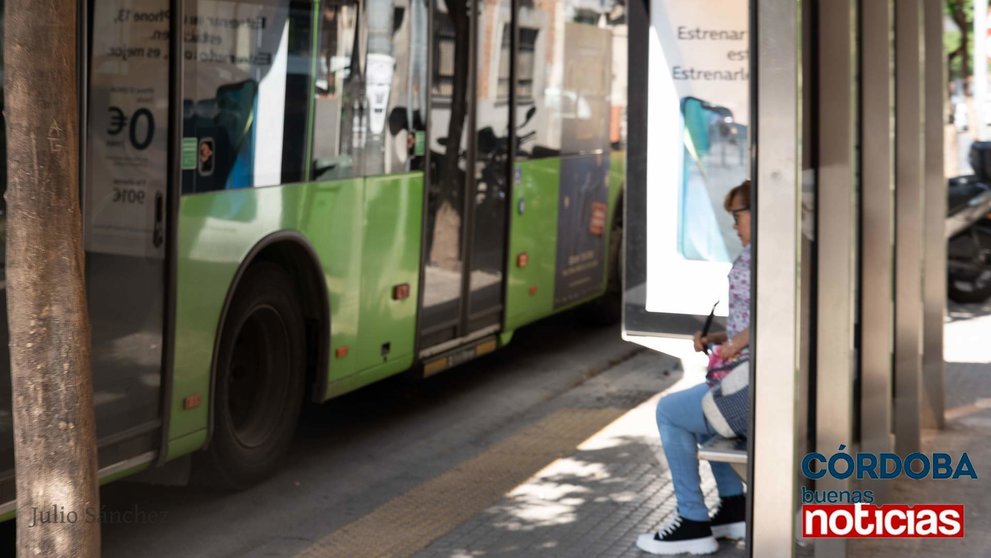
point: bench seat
(727, 450)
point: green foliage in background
(958, 55)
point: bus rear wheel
(259, 380)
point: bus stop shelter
(835, 112)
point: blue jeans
(683, 427)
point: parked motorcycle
(968, 230)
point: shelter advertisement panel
(697, 149)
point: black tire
(969, 279)
(969, 288)
(259, 381)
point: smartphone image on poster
(714, 161)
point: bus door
(124, 149)
(685, 154)
(466, 222)
(125, 199)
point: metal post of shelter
(777, 342)
(836, 240)
(877, 219)
(909, 253)
(934, 283)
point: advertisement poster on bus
(698, 79)
(127, 134)
(581, 227)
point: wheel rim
(258, 378)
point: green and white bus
(287, 200)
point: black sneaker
(678, 537)
(730, 519)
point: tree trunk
(965, 54)
(959, 17)
(54, 441)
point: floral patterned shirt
(739, 318)
(739, 296)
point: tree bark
(54, 439)
(960, 19)
(964, 54)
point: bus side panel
(617, 179)
(216, 232)
(389, 270)
(330, 217)
(533, 232)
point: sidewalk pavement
(595, 501)
(967, 384)
(615, 485)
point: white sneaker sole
(736, 530)
(706, 545)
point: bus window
(337, 100)
(527, 42)
(396, 86)
(370, 95)
(299, 84)
(246, 78)
(525, 64)
(616, 20)
(571, 97)
(538, 57)
(370, 89)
